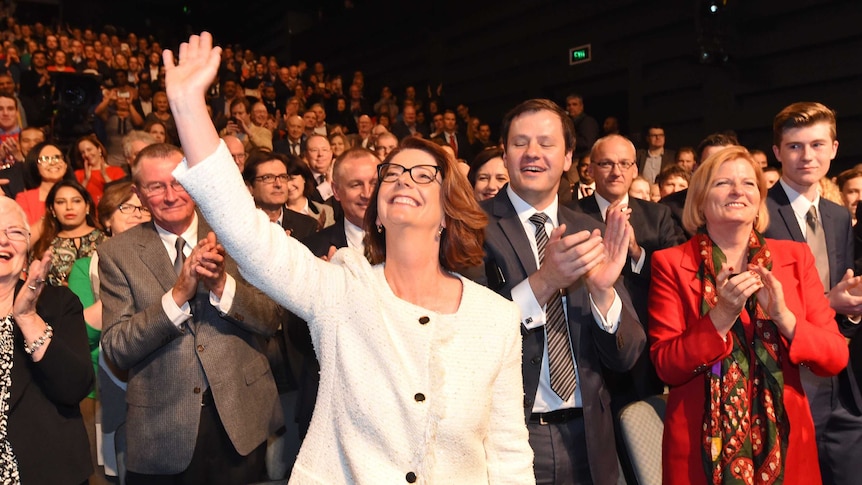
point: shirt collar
(798, 201)
(525, 210)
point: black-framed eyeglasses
(14, 233)
(159, 188)
(131, 209)
(421, 174)
(269, 178)
(609, 165)
(50, 160)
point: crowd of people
(244, 274)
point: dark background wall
(646, 59)
(491, 55)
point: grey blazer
(170, 367)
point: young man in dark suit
(576, 314)
(805, 142)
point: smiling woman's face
(13, 250)
(405, 202)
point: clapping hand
(771, 299)
(732, 291)
(208, 258)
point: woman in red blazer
(732, 316)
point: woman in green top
(119, 209)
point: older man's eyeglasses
(159, 188)
(16, 233)
(50, 160)
(421, 174)
(609, 165)
(132, 209)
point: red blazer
(684, 346)
(96, 185)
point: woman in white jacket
(420, 377)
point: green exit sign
(580, 54)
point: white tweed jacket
(406, 394)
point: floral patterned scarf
(745, 427)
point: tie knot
(811, 217)
(180, 244)
(539, 219)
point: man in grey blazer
(201, 396)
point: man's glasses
(421, 174)
(159, 188)
(609, 165)
(269, 178)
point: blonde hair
(692, 214)
(829, 190)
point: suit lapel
(790, 221)
(691, 263)
(154, 257)
(831, 231)
(512, 228)
(785, 212)
(590, 206)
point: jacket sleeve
(620, 350)
(817, 342)
(683, 344)
(65, 372)
(510, 458)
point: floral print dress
(66, 250)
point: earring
(439, 233)
(380, 228)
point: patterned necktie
(560, 362)
(181, 257)
(817, 242)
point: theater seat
(642, 424)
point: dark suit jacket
(45, 427)
(668, 157)
(139, 108)
(283, 146)
(301, 226)
(15, 176)
(676, 202)
(839, 242)
(509, 260)
(401, 130)
(654, 230)
(169, 366)
(465, 150)
(586, 133)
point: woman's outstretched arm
(187, 83)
